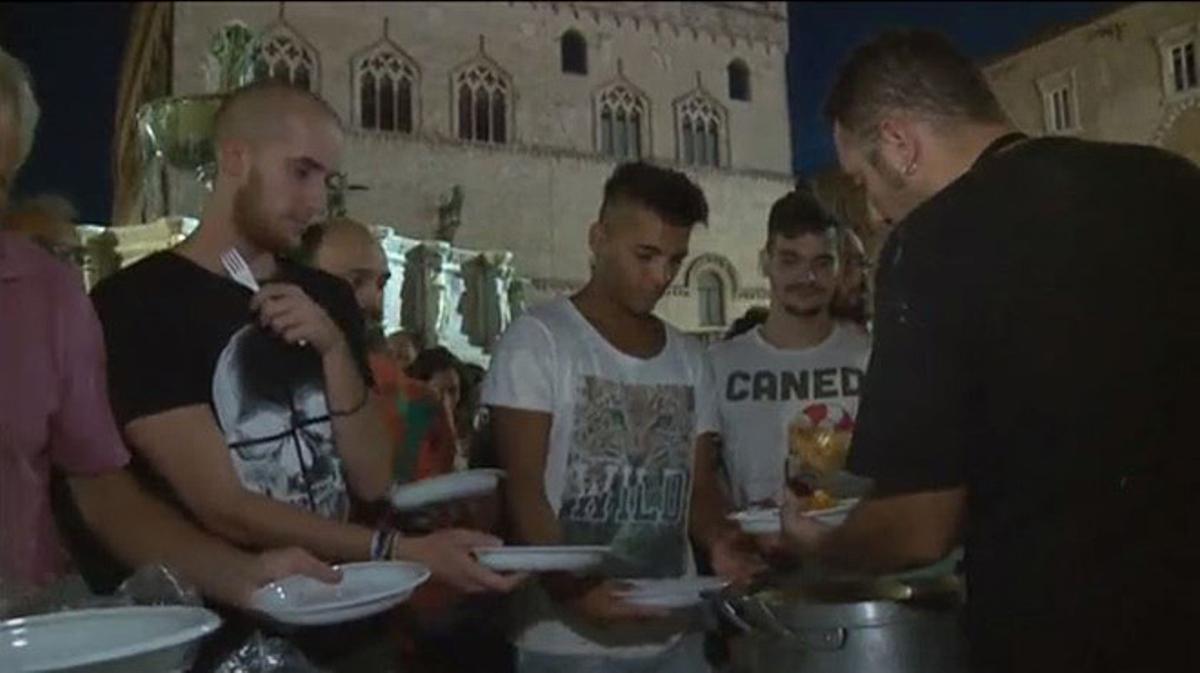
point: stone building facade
(528, 107)
(1129, 75)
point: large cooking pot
(848, 626)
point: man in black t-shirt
(252, 410)
(1035, 361)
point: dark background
(74, 50)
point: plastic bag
(262, 654)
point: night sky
(74, 51)
(824, 33)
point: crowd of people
(1019, 386)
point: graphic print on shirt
(270, 404)
(824, 417)
(628, 476)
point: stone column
(396, 248)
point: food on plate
(817, 499)
(820, 450)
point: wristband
(381, 544)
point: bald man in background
(439, 630)
(419, 429)
(253, 410)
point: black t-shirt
(1036, 341)
(178, 335)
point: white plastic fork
(233, 262)
(239, 270)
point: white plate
(366, 589)
(671, 593)
(445, 488)
(836, 515)
(674, 585)
(541, 559)
(765, 521)
(665, 602)
(107, 640)
(759, 521)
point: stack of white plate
(108, 640)
(562, 558)
(366, 589)
(671, 593)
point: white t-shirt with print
(762, 389)
(619, 461)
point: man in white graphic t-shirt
(801, 366)
(603, 415)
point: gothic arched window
(621, 122)
(483, 103)
(574, 52)
(284, 55)
(710, 290)
(739, 80)
(701, 123)
(386, 81)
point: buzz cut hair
(252, 101)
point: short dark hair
(914, 70)
(798, 212)
(667, 193)
(433, 360)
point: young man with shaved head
(601, 414)
(55, 415)
(1033, 384)
(253, 410)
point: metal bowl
(179, 130)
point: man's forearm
(162, 535)
(709, 512)
(892, 534)
(357, 425)
(710, 504)
(533, 519)
(258, 521)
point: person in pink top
(54, 412)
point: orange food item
(820, 499)
(820, 450)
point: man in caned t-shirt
(799, 367)
(600, 411)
